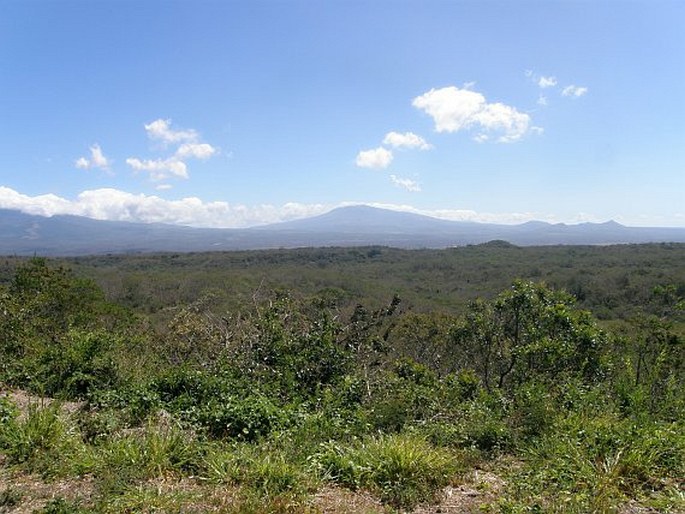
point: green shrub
(134, 403)
(77, 364)
(246, 418)
(533, 409)
(8, 412)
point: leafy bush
(533, 410)
(8, 412)
(247, 418)
(529, 331)
(218, 403)
(78, 364)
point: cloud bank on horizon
(115, 205)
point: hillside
(24, 234)
(294, 403)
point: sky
(241, 113)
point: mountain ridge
(361, 225)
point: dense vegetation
(262, 381)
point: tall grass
(44, 440)
(403, 469)
(595, 464)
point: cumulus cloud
(405, 183)
(406, 140)
(498, 117)
(160, 129)
(97, 160)
(160, 169)
(189, 147)
(451, 108)
(454, 109)
(377, 158)
(545, 82)
(41, 205)
(542, 100)
(196, 150)
(574, 91)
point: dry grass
(23, 400)
(329, 500)
(33, 492)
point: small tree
(528, 331)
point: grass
(45, 440)
(584, 462)
(404, 470)
(595, 464)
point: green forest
(488, 378)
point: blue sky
(237, 113)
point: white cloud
(502, 118)
(97, 160)
(545, 82)
(196, 150)
(454, 109)
(450, 107)
(161, 130)
(406, 140)
(405, 183)
(175, 166)
(160, 169)
(42, 205)
(377, 158)
(542, 100)
(574, 91)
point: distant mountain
(25, 234)
(363, 219)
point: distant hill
(25, 234)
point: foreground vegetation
(320, 401)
